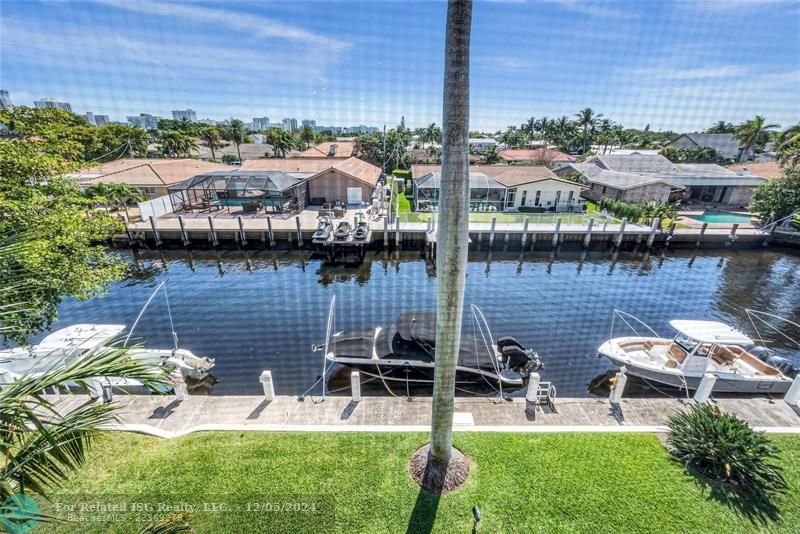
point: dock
(167, 417)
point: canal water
(265, 310)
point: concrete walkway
(164, 416)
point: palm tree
(624, 137)
(787, 146)
(235, 132)
(280, 140)
(441, 461)
(176, 144)
(753, 133)
(586, 119)
(307, 136)
(529, 127)
(210, 136)
(490, 155)
(122, 194)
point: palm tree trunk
(238, 153)
(213, 155)
(451, 255)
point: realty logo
(19, 514)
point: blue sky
(673, 64)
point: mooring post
(653, 229)
(524, 237)
(242, 236)
(266, 383)
(555, 232)
(588, 239)
(213, 231)
(621, 234)
(766, 240)
(184, 235)
(702, 232)
(732, 238)
(156, 236)
(430, 225)
(792, 396)
(128, 230)
(299, 232)
(491, 232)
(671, 232)
(355, 385)
(269, 231)
(179, 385)
(532, 394)
(385, 232)
(704, 389)
(397, 235)
(618, 388)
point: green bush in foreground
(724, 449)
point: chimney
(332, 150)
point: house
(768, 170)
(350, 181)
(152, 177)
(501, 187)
(724, 143)
(330, 149)
(639, 178)
(247, 151)
(481, 144)
(535, 156)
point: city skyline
(673, 65)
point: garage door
(354, 195)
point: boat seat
(723, 356)
(760, 367)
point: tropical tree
(777, 198)
(586, 119)
(280, 140)
(787, 147)
(307, 136)
(490, 155)
(753, 134)
(174, 143)
(529, 127)
(441, 467)
(623, 137)
(431, 134)
(211, 138)
(722, 127)
(658, 209)
(236, 133)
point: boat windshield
(689, 345)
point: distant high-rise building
(260, 123)
(290, 125)
(187, 114)
(52, 103)
(101, 120)
(5, 100)
(309, 122)
(403, 122)
(90, 118)
(144, 120)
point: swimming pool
(721, 217)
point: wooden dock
(165, 416)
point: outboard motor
(508, 341)
(784, 365)
(516, 357)
(760, 352)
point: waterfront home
(724, 143)
(480, 144)
(330, 149)
(501, 187)
(350, 181)
(151, 177)
(640, 178)
(535, 156)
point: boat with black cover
(342, 232)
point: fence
(158, 206)
(514, 218)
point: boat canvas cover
(83, 336)
(417, 326)
(711, 332)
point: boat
(362, 230)
(62, 347)
(405, 351)
(342, 232)
(323, 231)
(700, 347)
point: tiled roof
(247, 150)
(724, 143)
(534, 154)
(344, 149)
(763, 169)
(506, 175)
(357, 168)
(151, 172)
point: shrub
(724, 449)
(402, 173)
(531, 209)
(619, 209)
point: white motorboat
(700, 347)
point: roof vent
(332, 150)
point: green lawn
(357, 482)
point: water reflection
(255, 310)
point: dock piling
(702, 233)
(587, 240)
(355, 385)
(491, 232)
(556, 231)
(179, 385)
(242, 236)
(524, 233)
(621, 234)
(269, 232)
(620, 379)
(732, 237)
(156, 235)
(430, 225)
(766, 240)
(184, 235)
(130, 235)
(214, 240)
(704, 389)
(385, 232)
(653, 229)
(266, 383)
(532, 394)
(299, 232)
(397, 235)
(792, 396)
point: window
(511, 196)
(538, 198)
(571, 195)
(524, 197)
(558, 197)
